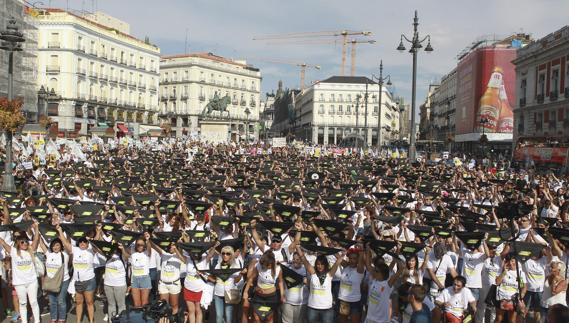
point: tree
(11, 116)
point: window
(175, 77)
(332, 98)
(80, 43)
(523, 87)
(340, 98)
(552, 120)
(541, 84)
(349, 98)
(375, 109)
(331, 109)
(321, 97)
(555, 82)
(348, 109)
(321, 109)
(340, 109)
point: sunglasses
(276, 241)
(226, 254)
(140, 245)
(24, 242)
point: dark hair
(439, 250)
(383, 269)
(268, 258)
(82, 239)
(323, 260)
(558, 313)
(460, 279)
(53, 242)
(418, 292)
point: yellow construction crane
(354, 42)
(284, 38)
(302, 66)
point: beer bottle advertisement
(490, 103)
(506, 121)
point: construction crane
(302, 66)
(354, 42)
(283, 38)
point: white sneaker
(106, 317)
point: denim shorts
(141, 282)
(91, 284)
(355, 307)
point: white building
(103, 76)
(334, 108)
(189, 82)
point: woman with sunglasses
(350, 294)
(224, 310)
(114, 280)
(267, 273)
(24, 277)
(83, 274)
(140, 275)
(169, 285)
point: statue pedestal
(216, 131)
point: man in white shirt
(455, 301)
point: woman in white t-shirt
(169, 285)
(57, 259)
(139, 260)
(24, 277)
(115, 281)
(296, 297)
(350, 294)
(194, 283)
(508, 284)
(320, 276)
(83, 274)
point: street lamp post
(12, 40)
(380, 80)
(247, 112)
(483, 139)
(415, 42)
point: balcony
(93, 74)
(52, 68)
(243, 103)
(53, 44)
(553, 95)
(172, 97)
(104, 77)
(234, 102)
(113, 59)
(163, 98)
(81, 49)
(93, 53)
(184, 97)
(123, 61)
(81, 96)
(252, 104)
(522, 102)
(81, 71)
(539, 98)
(142, 86)
(113, 79)
(93, 98)
(152, 88)
(202, 80)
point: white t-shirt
(170, 269)
(444, 266)
(115, 272)
(379, 301)
(193, 281)
(458, 301)
(491, 270)
(415, 281)
(220, 285)
(23, 269)
(320, 295)
(265, 278)
(509, 285)
(472, 268)
(83, 264)
(297, 295)
(535, 273)
(350, 285)
(140, 263)
(53, 263)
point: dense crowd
(184, 231)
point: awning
(122, 128)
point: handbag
(490, 299)
(53, 285)
(232, 296)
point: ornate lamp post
(12, 40)
(416, 44)
(247, 113)
(380, 80)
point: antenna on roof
(186, 42)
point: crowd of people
(182, 231)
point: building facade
(426, 126)
(189, 83)
(443, 107)
(25, 71)
(103, 76)
(341, 106)
(266, 116)
(542, 84)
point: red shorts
(190, 296)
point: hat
(286, 211)
(195, 249)
(198, 235)
(223, 274)
(320, 249)
(331, 227)
(277, 228)
(560, 234)
(48, 232)
(169, 236)
(471, 239)
(236, 243)
(125, 237)
(424, 232)
(222, 221)
(106, 248)
(525, 250)
(76, 231)
(409, 249)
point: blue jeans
(58, 303)
(475, 293)
(323, 316)
(222, 308)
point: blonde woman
(555, 289)
(223, 309)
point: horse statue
(216, 104)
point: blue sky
(226, 28)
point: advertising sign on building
(486, 91)
(279, 142)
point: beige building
(188, 83)
(333, 109)
(103, 75)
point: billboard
(485, 91)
